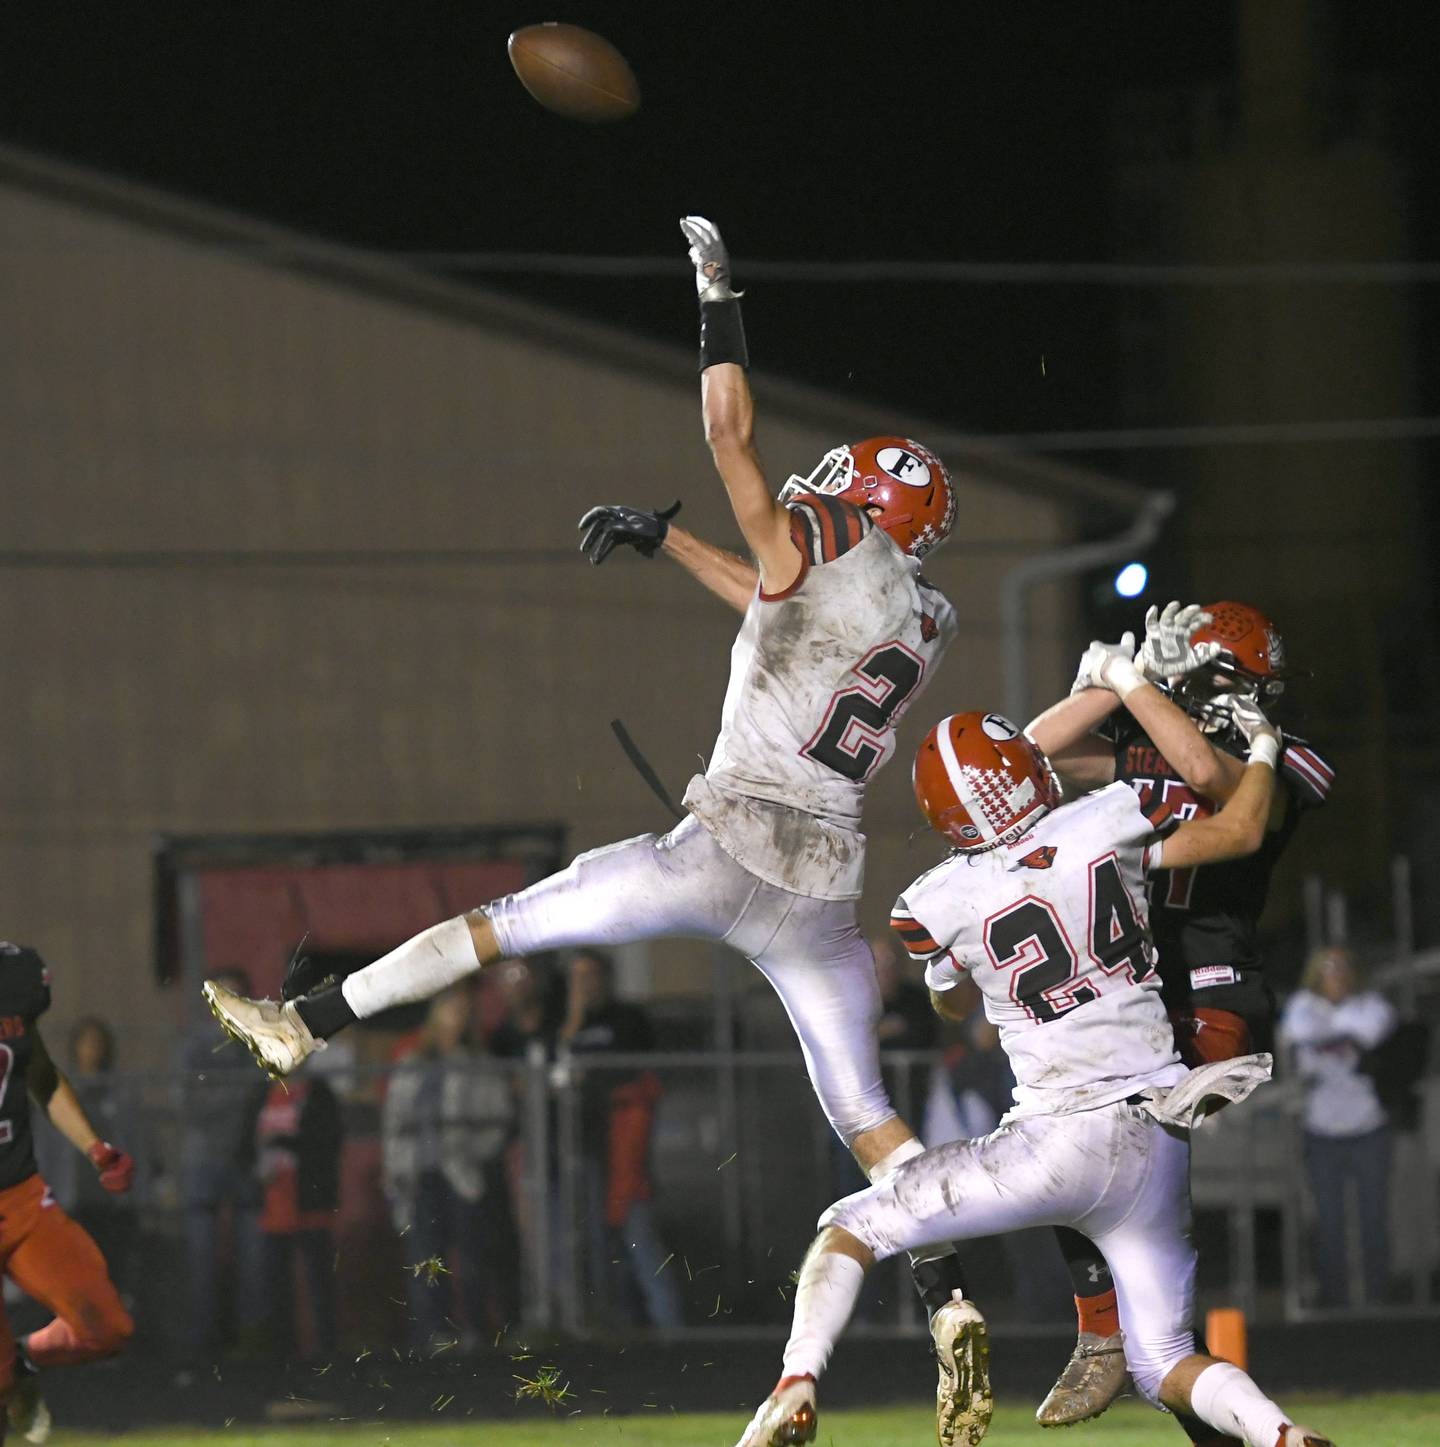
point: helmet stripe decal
(963, 792)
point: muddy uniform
(1053, 931)
(771, 859)
(1206, 921)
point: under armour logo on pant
(1098, 1270)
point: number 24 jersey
(1053, 930)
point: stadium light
(1130, 581)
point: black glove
(604, 528)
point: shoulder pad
(825, 528)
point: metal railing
(671, 1191)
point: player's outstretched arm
(603, 529)
(54, 1093)
(1239, 828)
(717, 569)
(1065, 732)
(729, 411)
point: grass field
(1378, 1421)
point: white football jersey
(1054, 931)
(819, 677)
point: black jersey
(1206, 920)
(24, 998)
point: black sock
(938, 1280)
(1089, 1275)
(1202, 1434)
(24, 1367)
(326, 1012)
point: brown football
(574, 72)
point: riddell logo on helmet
(904, 466)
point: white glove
(1167, 653)
(709, 257)
(1109, 665)
(1260, 734)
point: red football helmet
(980, 782)
(906, 481)
(1251, 662)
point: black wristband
(722, 334)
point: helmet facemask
(1207, 694)
(831, 476)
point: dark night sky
(839, 131)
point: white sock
(888, 1165)
(419, 968)
(824, 1299)
(1233, 1405)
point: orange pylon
(1225, 1335)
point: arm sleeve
(942, 970)
(1144, 824)
(1307, 775)
(824, 528)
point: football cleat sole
(964, 1403)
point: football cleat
(273, 1033)
(786, 1416)
(1302, 1437)
(1093, 1377)
(29, 1416)
(963, 1402)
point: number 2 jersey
(24, 998)
(1054, 932)
(820, 675)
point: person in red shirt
(296, 1141)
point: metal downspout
(1015, 591)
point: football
(574, 72)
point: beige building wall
(164, 397)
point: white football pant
(684, 883)
(1114, 1174)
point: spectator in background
(1330, 1023)
(218, 1190)
(294, 1139)
(617, 1121)
(444, 1126)
(526, 1021)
